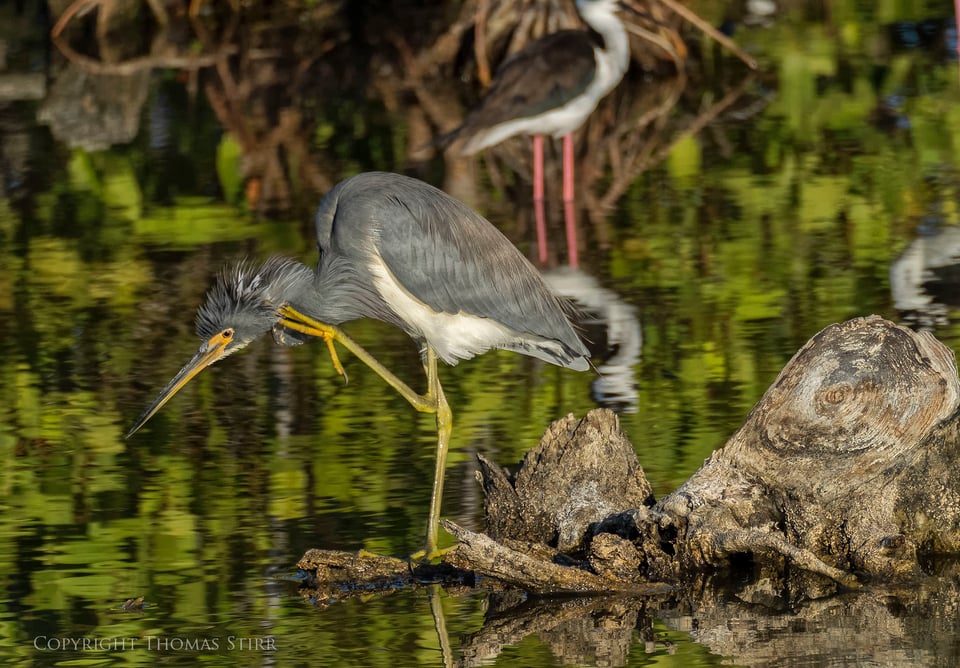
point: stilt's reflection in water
(612, 331)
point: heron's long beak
(213, 350)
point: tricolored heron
(398, 250)
(550, 88)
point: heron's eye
(227, 334)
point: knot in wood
(865, 385)
(835, 394)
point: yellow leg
(444, 428)
(293, 319)
(434, 401)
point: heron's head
(240, 307)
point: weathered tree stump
(845, 471)
(845, 468)
(847, 462)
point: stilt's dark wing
(545, 75)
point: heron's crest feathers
(247, 295)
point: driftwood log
(845, 472)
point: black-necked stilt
(550, 88)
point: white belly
(453, 336)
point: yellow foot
(293, 319)
(336, 360)
(436, 554)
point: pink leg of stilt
(540, 216)
(568, 168)
(570, 219)
(538, 198)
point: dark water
(827, 189)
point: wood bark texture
(847, 470)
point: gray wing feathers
(447, 256)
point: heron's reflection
(619, 348)
(924, 279)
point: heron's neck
(614, 58)
(290, 282)
(332, 295)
